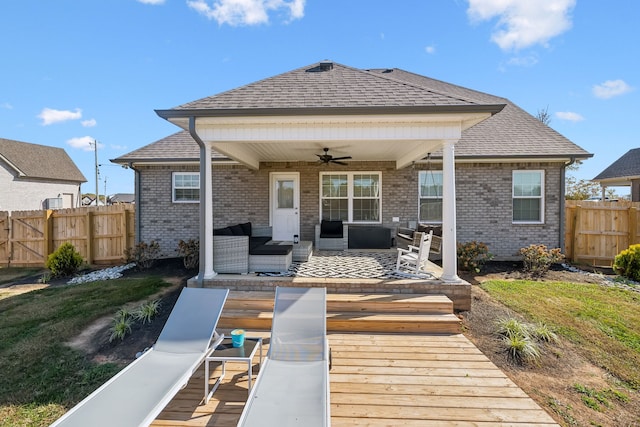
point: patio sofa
(244, 248)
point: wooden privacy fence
(99, 234)
(595, 232)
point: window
(430, 193)
(351, 196)
(528, 200)
(186, 187)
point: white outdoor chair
(137, 394)
(292, 388)
(415, 258)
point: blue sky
(78, 71)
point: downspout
(137, 185)
(563, 188)
(205, 270)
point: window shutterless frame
(527, 193)
(185, 187)
(353, 197)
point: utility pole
(95, 150)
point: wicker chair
(332, 236)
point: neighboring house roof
(626, 167)
(39, 161)
(122, 198)
(509, 133)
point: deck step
(395, 303)
(390, 313)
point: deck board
(383, 380)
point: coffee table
(226, 352)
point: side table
(226, 352)
(302, 250)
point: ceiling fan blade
(339, 163)
(342, 158)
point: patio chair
(137, 394)
(292, 388)
(414, 259)
(332, 235)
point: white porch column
(206, 215)
(449, 250)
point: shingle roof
(626, 166)
(179, 147)
(510, 133)
(40, 161)
(340, 86)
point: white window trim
(350, 196)
(173, 187)
(420, 173)
(541, 197)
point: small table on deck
(226, 352)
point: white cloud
(117, 147)
(569, 116)
(611, 88)
(84, 143)
(6, 106)
(89, 123)
(247, 12)
(154, 2)
(430, 49)
(50, 116)
(522, 23)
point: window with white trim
(528, 196)
(186, 187)
(430, 194)
(354, 197)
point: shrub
(627, 263)
(121, 325)
(65, 261)
(143, 254)
(537, 259)
(518, 340)
(472, 256)
(147, 311)
(190, 253)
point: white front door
(285, 202)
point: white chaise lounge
(137, 394)
(292, 388)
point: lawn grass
(41, 377)
(603, 321)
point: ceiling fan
(327, 158)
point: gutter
(312, 111)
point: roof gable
(40, 161)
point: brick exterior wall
(483, 202)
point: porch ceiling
(401, 138)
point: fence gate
(28, 237)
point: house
(412, 148)
(121, 198)
(624, 172)
(34, 177)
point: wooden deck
(383, 380)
